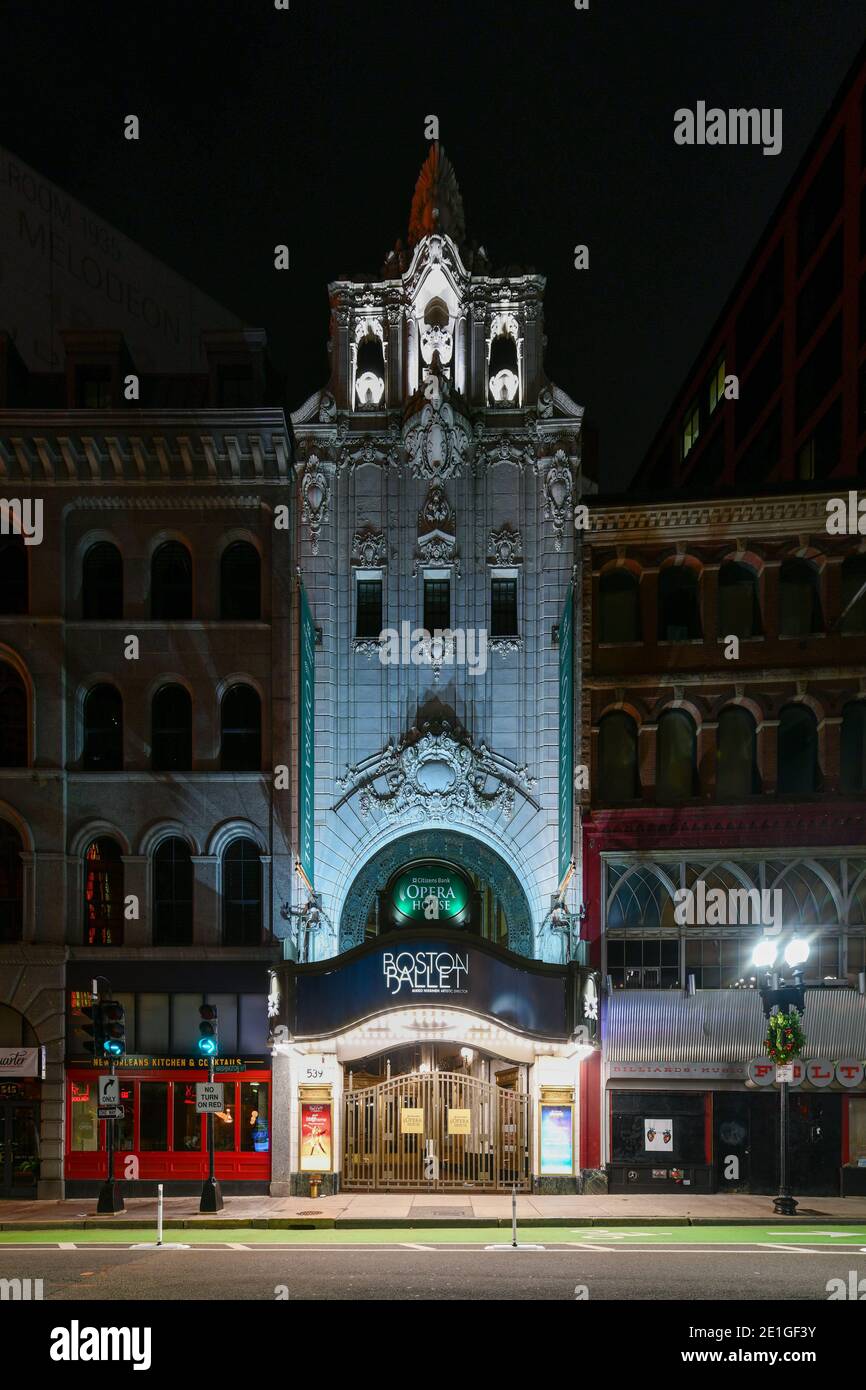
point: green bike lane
(607, 1238)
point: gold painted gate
(435, 1130)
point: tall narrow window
(617, 758)
(437, 605)
(739, 607)
(13, 718)
(799, 599)
(11, 884)
(13, 576)
(240, 583)
(691, 428)
(853, 746)
(676, 757)
(717, 384)
(368, 607)
(242, 894)
(102, 582)
(679, 616)
(103, 894)
(503, 607)
(172, 894)
(171, 730)
(797, 756)
(103, 730)
(241, 743)
(618, 607)
(737, 766)
(171, 583)
(853, 617)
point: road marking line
(67, 1245)
(232, 1245)
(777, 1245)
(408, 1245)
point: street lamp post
(778, 995)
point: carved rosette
(436, 772)
(558, 486)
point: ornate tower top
(437, 205)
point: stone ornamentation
(557, 496)
(437, 543)
(369, 550)
(436, 436)
(505, 547)
(315, 498)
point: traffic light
(94, 1031)
(113, 1028)
(208, 1030)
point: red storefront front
(162, 1137)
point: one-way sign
(208, 1096)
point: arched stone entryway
(453, 847)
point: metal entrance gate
(434, 1130)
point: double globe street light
(778, 995)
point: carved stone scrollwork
(505, 547)
(368, 549)
(505, 645)
(315, 497)
(436, 435)
(436, 772)
(437, 543)
(367, 646)
(557, 495)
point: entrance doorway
(19, 1148)
(433, 1129)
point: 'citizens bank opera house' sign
(451, 970)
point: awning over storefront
(724, 1025)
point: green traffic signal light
(208, 1030)
(113, 1028)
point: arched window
(240, 583)
(172, 894)
(799, 599)
(103, 730)
(14, 597)
(102, 582)
(241, 742)
(853, 594)
(737, 764)
(11, 884)
(171, 582)
(679, 604)
(171, 730)
(103, 893)
(618, 607)
(853, 746)
(617, 757)
(676, 757)
(242, 894)
(797, 756)
(13, 718)
(739, 605)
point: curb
(289, 1223)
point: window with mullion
(503, 608)
(368, 608)
(437, 605)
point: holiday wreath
(785, 1040)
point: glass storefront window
(255, 1137)
(857, 1130)
(85, 1126)
(152, 1021)
(227, 1005)
(225, 1120)
(124, 1128)
(184, 1023)
(187, 1121)
(153, 1113)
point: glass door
(19, 1148)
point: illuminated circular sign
(430, 893)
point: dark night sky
(306, 127)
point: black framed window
(503, 608)
(241, 739)
(799, 599)
(171, 583)
(797, 755)
(437, 605)
(240, 583)
(93, 387)
(737, 764)
(618, 607)
(13, 718)
(679, 618)
(103, 893)
(242, 894)
(644, 962)
(171, 730)
(102, 582)
(14, 596)
(739, 605)
(617, 758)
(368, 608)
(172, 894)
(853, 746)
(103, 730)
(676, 757)
(11, 884)
(853, 594)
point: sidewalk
(360, 1210)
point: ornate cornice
(706, 520)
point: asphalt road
(403, 1272)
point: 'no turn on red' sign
(208, 1096)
